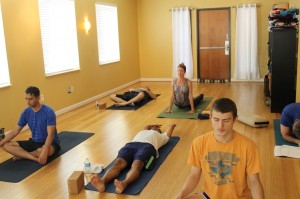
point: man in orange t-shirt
(225, 158)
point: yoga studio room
(149, 99)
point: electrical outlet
(70, 89)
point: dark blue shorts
(30, 145)
(137, 151)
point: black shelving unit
(282, 67)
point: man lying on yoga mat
(290, 123)
(133, 96)
(227, 159)
(41, 120)
(182, 92)
(137, 155)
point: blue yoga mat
(279, 141)
(137, 186)
(15, 171)
(129, 107)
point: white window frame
(59, 36)
(107, 33)
(4, 71)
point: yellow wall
(155, 32)
(145, 44)
(24, 50)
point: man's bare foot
(98, 183)
(120, 186)
(15, 158)
(124, 104)
(121, 104)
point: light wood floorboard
(280, 176)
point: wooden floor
(280, 176)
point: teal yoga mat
(15, 171)
(279, 141)
(137, 186)
(182, 113)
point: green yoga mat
(182, 113)
(279, 141)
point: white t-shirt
(152, 137)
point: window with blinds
(4, 73)
(59, 36)
(107, 33)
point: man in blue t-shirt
(290, 123)
(41, 120)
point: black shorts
(137, 151)
(30, 145)
(128, 95)
(132, 94)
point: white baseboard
(253, 80)
(161, 79)
(156, 79)
(92, 99)
(193, 80)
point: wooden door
(213, 53)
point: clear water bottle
(87, 166)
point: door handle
(226, 47)
(211, 48)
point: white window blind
(4, 73)
(59, 36)
(107, 33)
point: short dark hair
(182, 66)
(296, 128)
(32, 90)
(225, 105)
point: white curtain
(246, 61)
(182, 42)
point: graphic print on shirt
(220, 164)
(181, 93)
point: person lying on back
(133, 96)
(135, 155)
